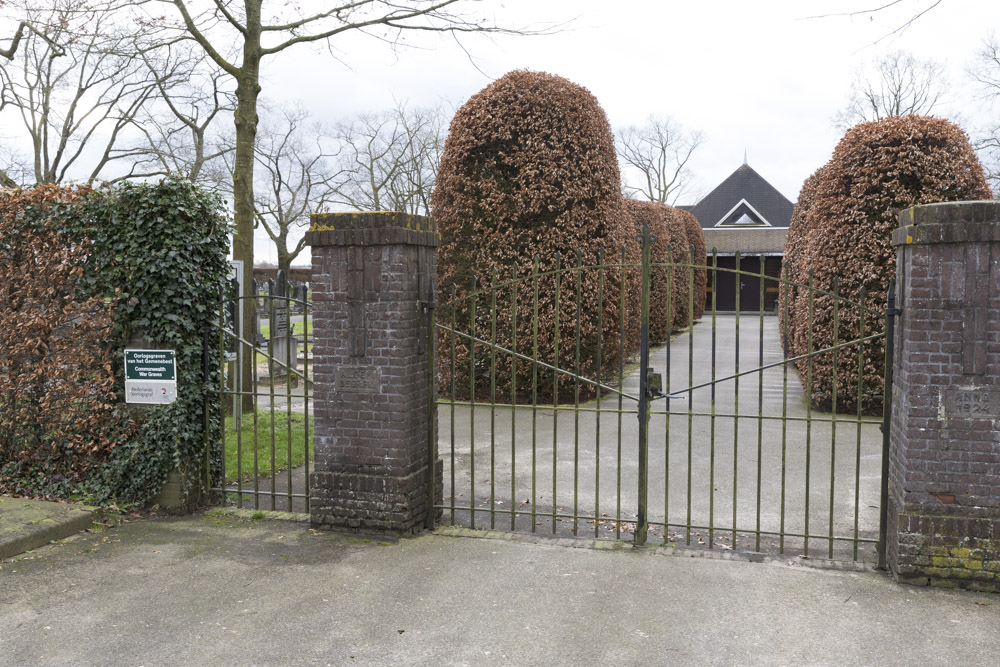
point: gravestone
(283, 346)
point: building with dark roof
(744, 217)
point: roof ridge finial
(745, 158)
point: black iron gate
(266, 397)
(704, 438)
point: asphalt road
(218, 590)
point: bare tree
(899, 84)
(986, 73)
(654, 159)
(76, 87)
(390, 159)
(296, 177)
(915, 12)
(239, 35)
(181, 132)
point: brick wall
(944, 486)
(372, 276)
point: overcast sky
(762, 77)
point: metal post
(642, 522)
(890, 333)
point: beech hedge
(695, 240)
(666, 251)
(529, 174)
(877, 169)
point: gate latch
(654, 386)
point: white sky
(761, 77)
(755, 76)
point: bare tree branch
(389, 160)
(899, 85)
(76, 88)
(899, 30)
(986, 73)
(656, 155)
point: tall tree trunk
(247, 89)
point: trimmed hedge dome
(877, 169)
(668, 249)
(793, 267)
(529, 169)
(695, 238)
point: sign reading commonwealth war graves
(150, 376)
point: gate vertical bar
(534, 392)
(306, 382)
(857, 447)
(555, 387)
(690, 393)
(513, 394)
(621, 383)
(809, 388)
(642, 525)
(473, 297)
(451, 372)
(736, 397)
(432, 443)
(833, 406)
(784, 412)
(760, 399)
(666, 390)
(576, 393)
(890, 340)
(711, 452)
(493, 397)
(597, 400)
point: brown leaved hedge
(793, 267)
(695, 239)
(59, 413)
(665, 315)
(529, 173)
(877, 169)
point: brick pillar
(944, 488)
(372, 279)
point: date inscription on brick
(358, 379)
(971, 403)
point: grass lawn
(265, 329)
(246, 444)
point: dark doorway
(749, 285)
(728, 281)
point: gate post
(372, 283)
(944, 479)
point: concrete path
(222, 590)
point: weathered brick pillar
(944, 493)
(372, 284)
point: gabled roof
(743, 200)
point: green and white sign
(150, 376)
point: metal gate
(706, 439)
(265, 394)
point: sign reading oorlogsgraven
(150, 376)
